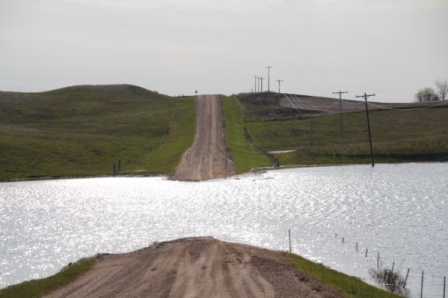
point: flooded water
(397, 213)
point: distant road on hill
(209, 157)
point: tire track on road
(208, 157)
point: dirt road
(196, 267)
(209, 157)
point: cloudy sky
(388, 47)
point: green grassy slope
(85, 130)
(398, 136)
(348, 285)
(41, 287)
(245, 156)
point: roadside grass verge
(348, 285)
(398, 136)
(412, 151)
(166, 157)
(245, 155)
(84, 130)
(41, 287)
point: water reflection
(399, 210)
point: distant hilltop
(283, 104)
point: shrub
(390, 280)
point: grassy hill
(90, 130)
(245, 155)
(311, 128)
(85, 130)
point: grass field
(398, 136)
(350, 286)
(245, 155)
(85, 130)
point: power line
(365, 96)
(340, 114)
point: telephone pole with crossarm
(340, 114)
(365, 96)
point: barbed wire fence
(420, 281)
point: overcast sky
(388, 47)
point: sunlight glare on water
(399, 211)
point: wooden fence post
(289, 232)
(406, 279)
(421, 291)
(444, 286)
(378, 260)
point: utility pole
(311, 131)
(261, 80)
(279, 82)
(340, 113)
(365, 96)
(255, 90)
(269, 77)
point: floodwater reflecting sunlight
(397, 211)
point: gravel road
(209, 157)
(196, 267)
